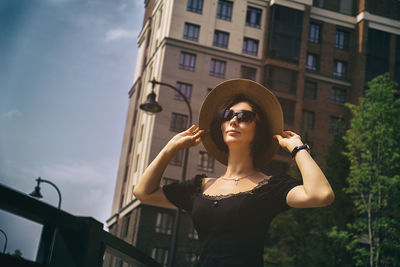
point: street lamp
(36, 192)
(5, 241)
(152, 107)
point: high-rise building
(314, 55)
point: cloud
(120, 33)
(11, 114)
(81, 173)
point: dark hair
(262, 138)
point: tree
(307, 237)
(373, 149)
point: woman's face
(237, 132)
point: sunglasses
(242, 116)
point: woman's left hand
(288, 140)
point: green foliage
(307, 237)
(362, 226)
(373, 143)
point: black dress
(232, 227)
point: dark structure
(66, 240)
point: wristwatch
(298, 148)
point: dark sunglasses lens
(245, 116)
(228, 115)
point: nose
(233, 120)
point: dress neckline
(247, 192)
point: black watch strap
(298, 148)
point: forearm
(316, 186)
(150, 180)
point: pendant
(236, 180)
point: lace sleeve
(181, 193)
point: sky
(66, 67)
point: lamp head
(151, 105)
(36, 193)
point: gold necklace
(236, 179)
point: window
(310, 90)
(160, 255)
(342, 39)
(248, 73)
(334, 122)
(148, 37)
(137, 162)
(281, 79)
(125, 225)
(185, 89)
(217, 68)
(191, 259)
(312, 62)
(178, 122)
(340, 68)
(253, 17)
(187, 61)
(308, 119)
(191, 31)
(159, 18)
(285, 33)
(221, 39)
(378, 53)
(141, 132)
(224, 10)
(314, 33)
(192, 233)
(338, 96)
(250, 46)
(346, 7)
(206, 162)
(177, 159)
(195, 6)
(319, 3)
(396, 77)
(164, 223)
(288, 107)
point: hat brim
(255, 92)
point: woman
(240, 125)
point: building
(315, 56)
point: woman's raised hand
(186, 139)
(288, 140)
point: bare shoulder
(207, 182)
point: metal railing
(67, 240)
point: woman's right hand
(186, 139)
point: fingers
(191, 129)
(278, 137)
(198, 133)
(288, 134)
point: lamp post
(152, 107)
(5, 241)
(36, 192)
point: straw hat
(255, 92)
